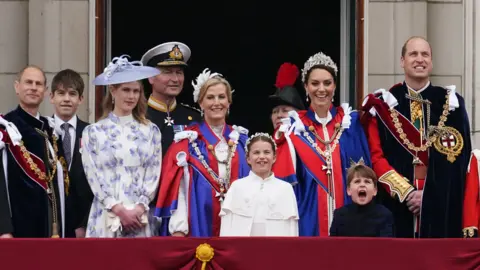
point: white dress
(122, 162)
(259, 207)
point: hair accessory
(318, 59)
(354, 164)
(201, 80)
(260, 134)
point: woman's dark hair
(327, 68)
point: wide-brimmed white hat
(120, 70)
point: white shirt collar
(255, 177)
(324, 120)
(419, 90)
(125, 119)
(59, 122)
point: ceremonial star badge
(219, 195)
(169, 121)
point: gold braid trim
(469, 232)
(41, 175)
(65, 174)
(33, 166)
(398, 184)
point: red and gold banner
(240, 253)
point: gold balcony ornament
(204, 254)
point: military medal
(417, 161)
(169, 121)
(450, 143)
(221, 195)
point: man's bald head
(20, 73)
(405, 45)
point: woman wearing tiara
(286, 98)
(260, 204)
(201, 164)
(121, 155)
(316, 147)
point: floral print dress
(122, 161)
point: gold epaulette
(469, 232)
(398, 184)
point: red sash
(31, 165)
(413, 135)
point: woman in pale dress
(121, 155)
(201, 164)
(260, 204)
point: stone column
(472, 67)
(452, 29)
(58, 39)
(13, 48)
(390, 23)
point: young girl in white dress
(260, 204)
(121, 155)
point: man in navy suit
(66, 96)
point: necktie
(67, 144)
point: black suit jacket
(29, 200)
(371, 220)
(5, 218)
(80, 195)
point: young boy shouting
(362, 218)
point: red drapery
(240, 253)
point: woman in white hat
(121, 154)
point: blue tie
(67, 144)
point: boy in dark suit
(66, 96)
(362, 218)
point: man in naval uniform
(163, 110)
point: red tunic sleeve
(471, 202)
(394, 183)
(172, 173)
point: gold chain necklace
(223, 183)
(327, 154)
(335, 139)
(33, 166)
(212, 150)
(431, 139)
(53, 159)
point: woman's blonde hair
(138, 112)
(212, 82)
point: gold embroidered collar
(161, 106)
